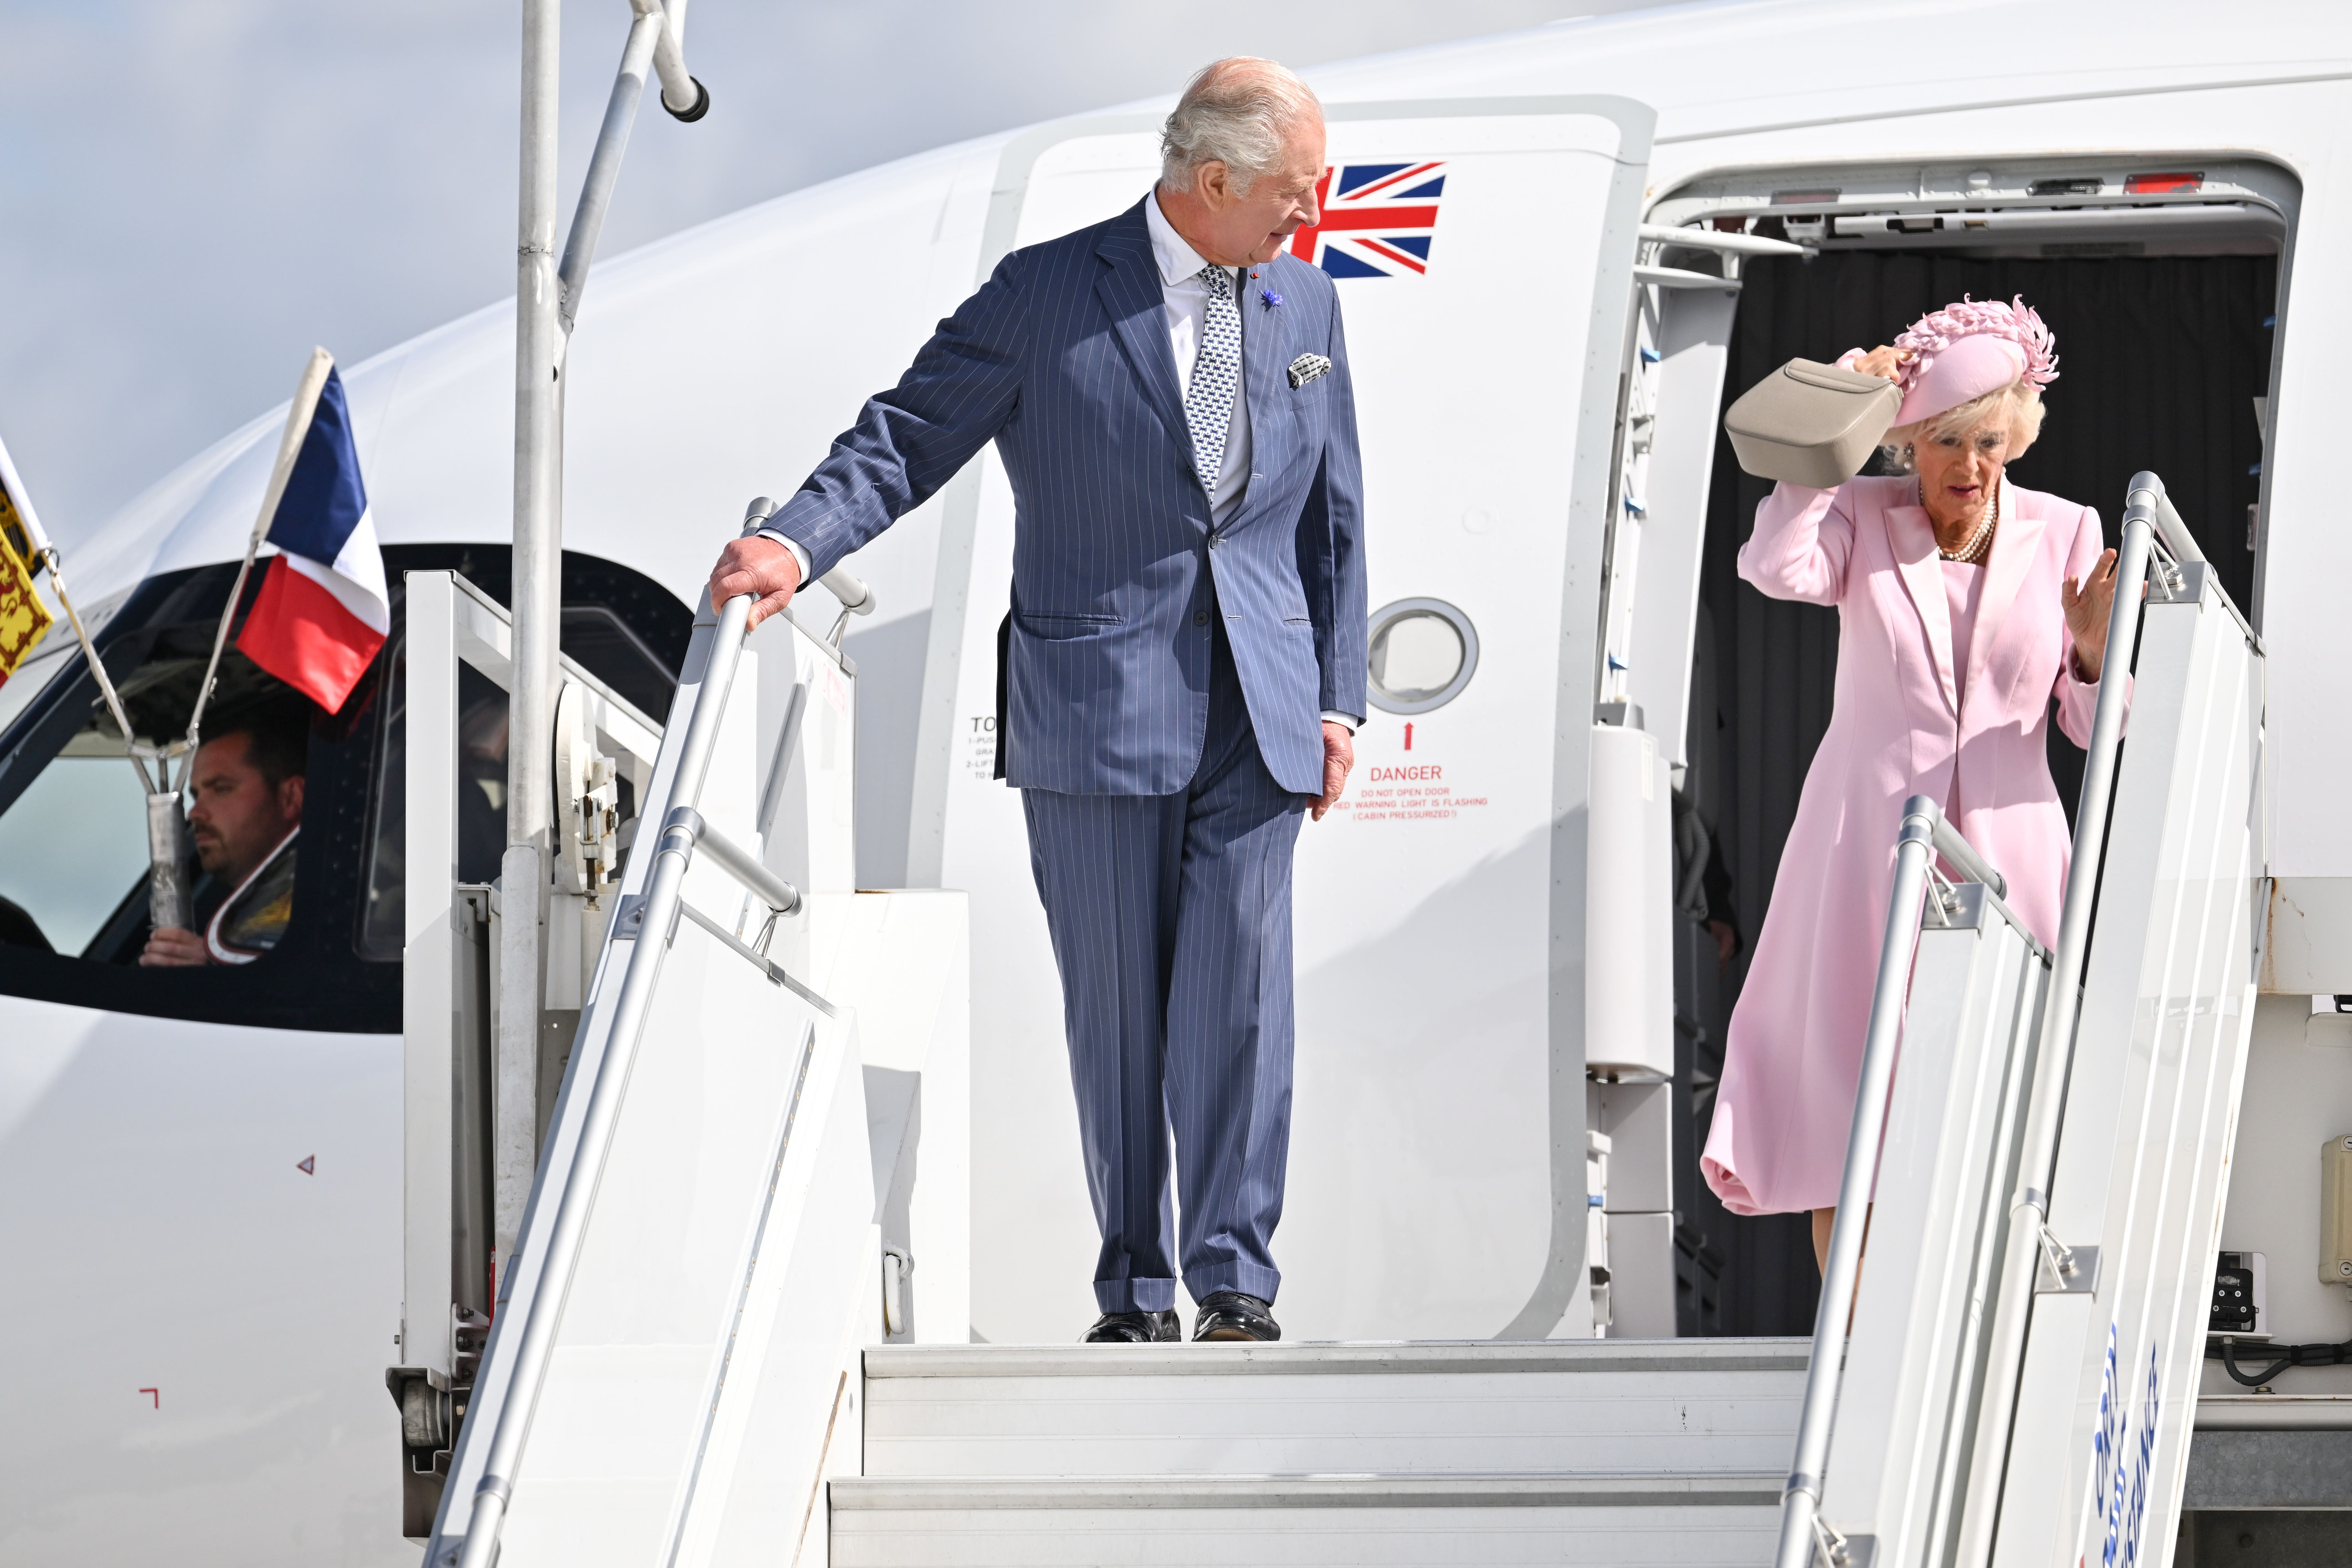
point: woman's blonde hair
(2020, 400)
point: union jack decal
(1378, 219)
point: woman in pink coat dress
(1964, 605)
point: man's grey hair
(1236, 111)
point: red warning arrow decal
(308, 1164)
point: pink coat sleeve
(1802, 542)
(2078, 699)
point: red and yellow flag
(23, 617)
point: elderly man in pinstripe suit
(1185, 663)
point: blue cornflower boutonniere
(1270, 297)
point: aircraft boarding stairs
(688, 1363)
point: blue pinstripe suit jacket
(1062, 359)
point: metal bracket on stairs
(2079, 1275)
(1842, 1551)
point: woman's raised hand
(1883, 361)
(2088, 602)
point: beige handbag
(1810, 424)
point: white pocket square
(1306, 367)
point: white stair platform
(1597, 1452)
(1372, 1520)
(1480, 1407)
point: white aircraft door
(1484, 252)
(1646, 852)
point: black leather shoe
(1135, 1328)
(1230, 1315)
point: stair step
(1703, 1519)
(1306, 1357)
(1579, 1406)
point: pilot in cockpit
(245, 811)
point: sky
(195, 192)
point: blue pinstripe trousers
(1170, 923)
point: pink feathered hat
(1962, 352)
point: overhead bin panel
(1483, 253)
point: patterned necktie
(1217, 371)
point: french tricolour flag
(323, 611)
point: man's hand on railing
(756, 565)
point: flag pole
(170, 891)
(547, 300)
(548, 288)
(46, 554)
(537, 601)
(298, 414)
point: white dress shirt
(1185, 300)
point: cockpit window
(254, 917)
(70, 846)
(274, 800)
(299, 816)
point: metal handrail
(2147, 490)
(857, 599)
(2146, 514)
(1961, 855)
(734, 859)
(575, 1190)
(2176, 547)
(1925, 834)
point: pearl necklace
(1968, 554)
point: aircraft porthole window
(1423, 652)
